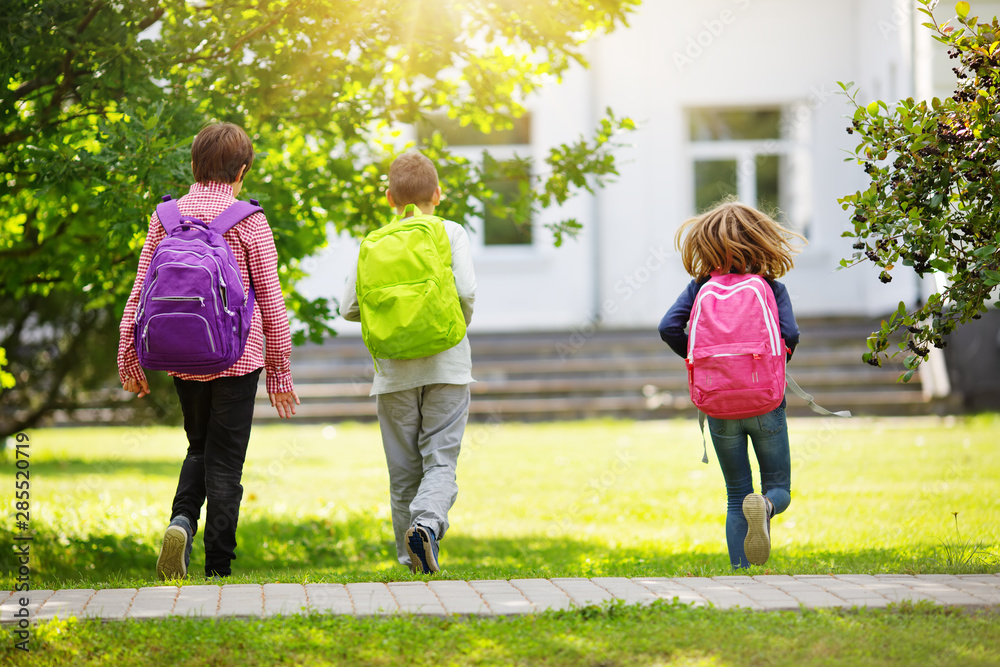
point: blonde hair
(735, 238)
(412, 179)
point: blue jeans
(769, 435)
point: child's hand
(284, 402)
(136, 386)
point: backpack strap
(168, 213)
(237, 212)
(797, 390)
(704, 445)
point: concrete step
(625, 373)
(601, 385)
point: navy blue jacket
(673, 326)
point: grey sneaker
(757, 545)
(175, 552)
(421, 544)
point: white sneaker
(757, 545)
(175, 553)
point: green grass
(663, 634)
(599, 498)
(577, 499)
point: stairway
(606, 373)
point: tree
(934, 200)
(101, 101)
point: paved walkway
(501, 598)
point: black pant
(217, 416)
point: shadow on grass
(85, 468)
(361, 548)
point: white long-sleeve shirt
(454, 365)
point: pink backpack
(736, 356)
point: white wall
(623, 269)
(744, 53)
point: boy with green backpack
(413, 293)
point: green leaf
(984, 251)
(962, 9)
(872, 108)
(317, 99)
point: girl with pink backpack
(735, 328)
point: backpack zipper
(200, 299)
(190, 266)
(208, 330)
(731, 290)
(223, 288)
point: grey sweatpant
(422, 432)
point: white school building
(730, 97)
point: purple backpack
(193, 314)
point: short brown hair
(412, 179)
(218, 152)
(734, 237)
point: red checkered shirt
(252, 242)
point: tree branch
(150, 20)
(20, 136)
(37, 247)
(68, 75)
(241, 41)
(32, 86)
(94, 11)
(46, 405)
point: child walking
(422, 399)
(217, 407)
(735, 238)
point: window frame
(791, 145)
(477, 223)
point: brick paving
(504, 598)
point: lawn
(598, 498)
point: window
(456, 135)
(746, 153)
(505, 174)
(504, 225)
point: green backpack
(406, 290)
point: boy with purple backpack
(209, 334)
(724, 325)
